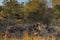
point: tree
(55, 2)
(12, 9)
(57, 11)
(31, 6)
(41, 14)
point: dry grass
(31, 38)
(27, 37)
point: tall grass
(27, 37)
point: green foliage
(34, 11)
(57, 11)
(12, 9)
(42, 14)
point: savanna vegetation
(32, 20)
